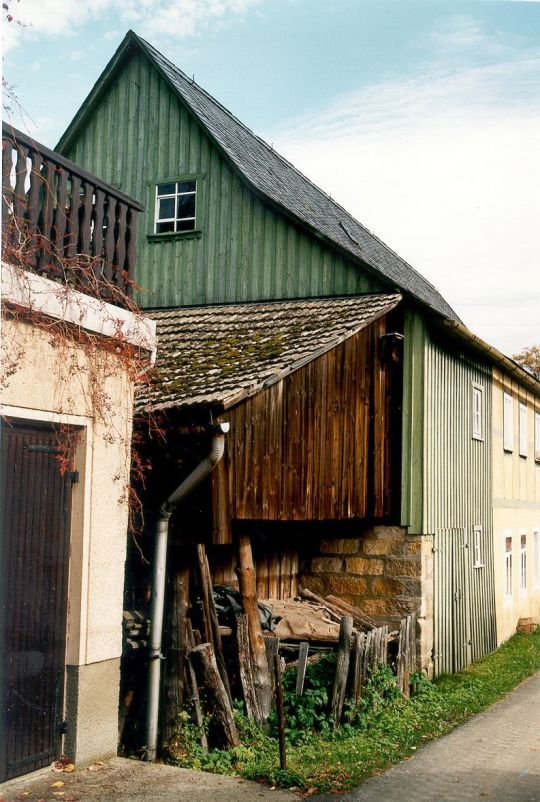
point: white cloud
(173, 18)
(445, 168)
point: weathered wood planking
(318, 445)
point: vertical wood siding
(456, 498)
(319, 444)
(141, 134)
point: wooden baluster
(20, 200)
(97, 235)
(61, 219)
(45, 258)
(121, 242)
(34, 209)
(72, 235)
(7, 191)
(129, 273)
(85, 217)
(108, 251)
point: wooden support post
(176, 651)
(280, 712)
(210, 614)
(247, 583)
(213, 684)
(245, 662)
(302, 665)
(342, 668)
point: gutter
(512, 367)
(159, 574)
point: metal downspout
(159, 574)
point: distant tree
(529, 358)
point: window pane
(185, 225)
(161, 228)
(186, 206)
(166, 208)
(166, 189)
(508, 544)
(186, 186)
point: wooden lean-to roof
(271, 176)
(219, 355)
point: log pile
(207, 675)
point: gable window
(522, 430)
(537, 436)
(478, 412)
(176, 204)
(478, 562)
(508, 422)
(508, 566)
(523, 562)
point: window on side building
(523, 562)
(478, 412)
(176, 207)
(537, 436)
(523, 434)
(478, 556)
(508, 566)
(508, 422)
(536, 558)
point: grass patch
(384, 731)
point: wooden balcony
(64, 223)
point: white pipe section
(159, 575)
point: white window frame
(477, 545)
(523, 433)
(508, 422)
(536, 558)
(537, 436)
(175, 195)
(477, 411)
(522, 562)
(507, 576)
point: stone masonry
(385, 572)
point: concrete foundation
(92, 693)
(386, 573)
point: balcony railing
(64, 223)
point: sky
(421, 117)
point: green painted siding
(447, 489)
(141, 134)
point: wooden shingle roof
(274, 178)
(219, 355)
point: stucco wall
(55, 381)
(516, 507)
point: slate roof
(219, 355)
(278, 181)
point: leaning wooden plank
(211, 614)
(245, 662)
(191, 684)
(359, 646)
(213, 684)
(301, 668)
(247, 583)
(351, 610)
(176, 651)
(342, 669)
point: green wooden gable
(263, 231)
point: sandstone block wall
(385, 572)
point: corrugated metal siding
(141, 134)
(456, 498)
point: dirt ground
(124, 780)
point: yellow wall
(516, 506)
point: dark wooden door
(35, 516)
